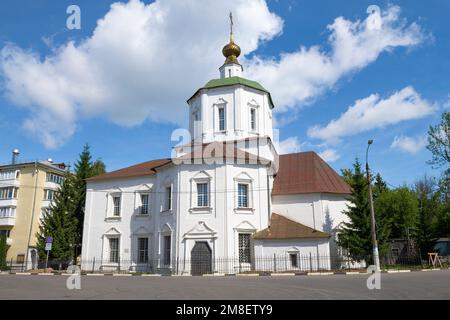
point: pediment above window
(201, 230)
(112, 232)
(141, 231)
(253, 104)
(220, 101)
(202, 175)
(243, 176)
(245, 226)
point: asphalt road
(414, 285)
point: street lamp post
(376, 257)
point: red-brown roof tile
(282, 228)
(142, 169)
(306, 172)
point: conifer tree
(84, 168)
(355, 235)
(3, 251)
(59, 223)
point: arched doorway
(201, 259)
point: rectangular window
(242, 195)
(167, 245)
(114, 250)
(49, 194)
(20, 258)
(51, 177)
(244, 247)
(202, 195)
(144, 203)
(7, 175)
(168, 204)
(221, 119)
(253, 119)
(142, 250)
(7, 212)
(116, 202)
(5, 232)
(8, 193)
(294, 260)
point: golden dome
(231, 51)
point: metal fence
(229, 265)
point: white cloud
(299, 77)
(329, 155)
(289, 145)
(409, 144)
(143, 62)
(373, 112)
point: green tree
(3, 252)
(401, 207)
(379, 186)
(443, 224)
(439, 141)
(355, 235)
(59, 223)
(85, 168)
(428, 210)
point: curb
(355, 273)
(282, 274)
(95, 274)
(264, 274)
(320, 273)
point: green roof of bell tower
(231, 81)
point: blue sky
(418, 61)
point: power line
(115, 190)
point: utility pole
(32, 211)
(376, 258)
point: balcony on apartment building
(7, 216)
(10, 178)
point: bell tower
(232, 108)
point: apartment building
(26, 191)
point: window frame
(168, 198)
(203, 199)
(146, 205)
(222, 123)
(167, 250)
(143, 253)
(114, 206)
(253, 119)
(239, 196)
(243, 251)
(112, 251)
(293, 259)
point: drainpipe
(268, 202)
(314, 215)
(32, 209)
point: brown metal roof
(142, 169)
(221, 150)
(306, 172)
(283, 228)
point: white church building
(224, 203)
